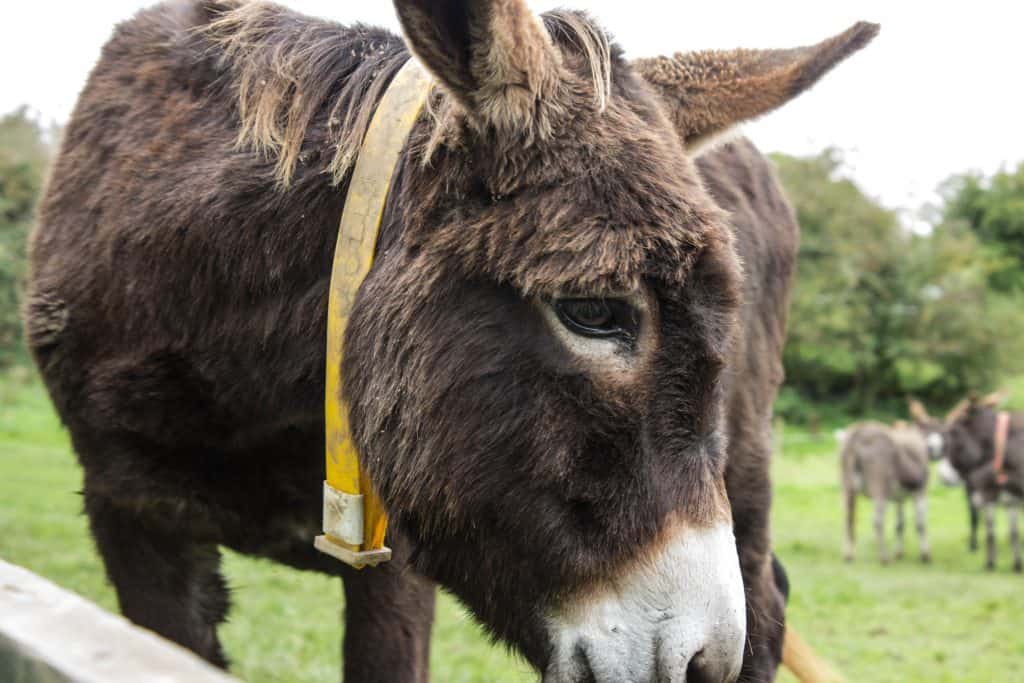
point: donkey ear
(918, 411)
(960, 409)
(494, 56)
(996, 398)
(709, 92)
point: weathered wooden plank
(50, 635)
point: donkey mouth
(680, 615)
(948, 473)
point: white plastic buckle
(343, 515)
(343, 521)
(353, 558)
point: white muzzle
(680, 610)
(948, 473)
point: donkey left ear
(961, 408)
(709, 92)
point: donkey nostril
(697, 671)
(584, 672)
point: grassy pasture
(949, 621)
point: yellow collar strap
(354, 518)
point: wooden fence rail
(50, 635)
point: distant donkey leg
(1013, 513)
(972, 509)
(389, 612)
(165, 581)
(850, 500)
(899, 529)
(921, 519)
(990, 535)
(883, 553)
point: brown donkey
(560, 378)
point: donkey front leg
(389, 612)
(165, 581)
(1013, 512)
(972, 511)
(990, 535)
(850, 506)
(899, 529)
(883, 553)
(921, 519)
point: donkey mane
(286, 68)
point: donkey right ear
(996, 398)
(709, 92)
(494, 56)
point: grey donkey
(887, 464)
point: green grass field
(949, 621)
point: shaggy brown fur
(177, 300)
(887, 464)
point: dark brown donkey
(967, 440)
(559, 376)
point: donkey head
(934, 431)
(532, 365)
(957, 441)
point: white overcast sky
(940, 91)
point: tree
(846, 320)
(24, 156)
(879, 312)
(993, 209)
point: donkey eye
(597, 317)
